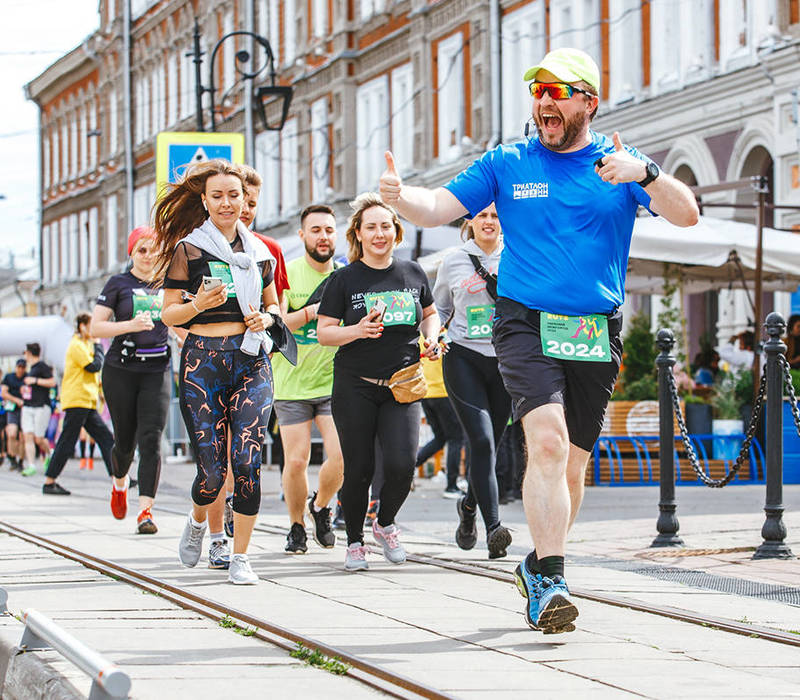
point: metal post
(198, 80)
(759, 183)
(774, 531)
(667, 524)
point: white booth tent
(706, 256)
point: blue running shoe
(550, 608)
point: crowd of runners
(523, 317)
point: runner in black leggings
(470, 373)
(363, 409)
(136, 376)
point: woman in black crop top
(137, 376)
(225, 376)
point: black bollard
(774, 531)
(667, 524)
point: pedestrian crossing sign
(176, 150)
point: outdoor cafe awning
(713, 254)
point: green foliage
(796, 381)
(670, 315)
(726, 396)
(638, 380)
(228, 623)
(315, 657)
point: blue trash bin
(791, 447)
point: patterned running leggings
(221, 387)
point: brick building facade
(704, 87)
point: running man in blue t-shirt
(567, 198)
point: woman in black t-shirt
(218, 278)
(373, 347)
(136, 376)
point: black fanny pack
(132, 353)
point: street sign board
(175, 150)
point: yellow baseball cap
(569, 65)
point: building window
(268, 163)
(319, 21)
(665, 45)
(372, 131)
(625, 48)
(160, 112)
(73, 144)
(320, 150)
(697, 55)
(83, 143)
(370, 8)
(45, 160)
(289, 32)
(289, 169)
(402, 81)
(450, 96)
(94, 141)
(187, 84)
(63, 249)
(522, 38)
(46, 253)
(56, 156)
(93, 264)
(141, 206)
(74, 247)
(173, 92)
(83, 244)
(229, 49)
(112, 124)
(54, 256)
(111, 231)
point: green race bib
(307, 334)
(479, 321)
(146, 303)
(400, 307)
(223, 271)
(583, 338)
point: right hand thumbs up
(390, 182)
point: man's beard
(573, 128)
(320, 257)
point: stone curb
(24, 675)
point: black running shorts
(534, 379)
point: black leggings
(220, 388)
(74, 420)
(138, 403)
(482, 405)
(363, 411)
(446, 431)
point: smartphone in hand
(380, 307)
(210, 283)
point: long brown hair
(181, 210)
(359, 205)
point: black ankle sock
(551, 566)
(532, 563)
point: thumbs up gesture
(620, 166)
(390, 182)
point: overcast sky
(34, 34)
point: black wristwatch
(652, 173)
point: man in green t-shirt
(303, 392)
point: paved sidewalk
(462, 634)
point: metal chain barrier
(744, 453)
(787, 381)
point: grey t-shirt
(459, 287)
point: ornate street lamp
(262, 94)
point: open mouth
(551, 122)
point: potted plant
(726, 402)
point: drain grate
(698, 579)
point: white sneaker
(240, 572)
(356, 558)
(191, 545)
(393, 551)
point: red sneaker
(145, 524)
(119, 503)
(83, 463)
(90, 463)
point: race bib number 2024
(581, 338)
